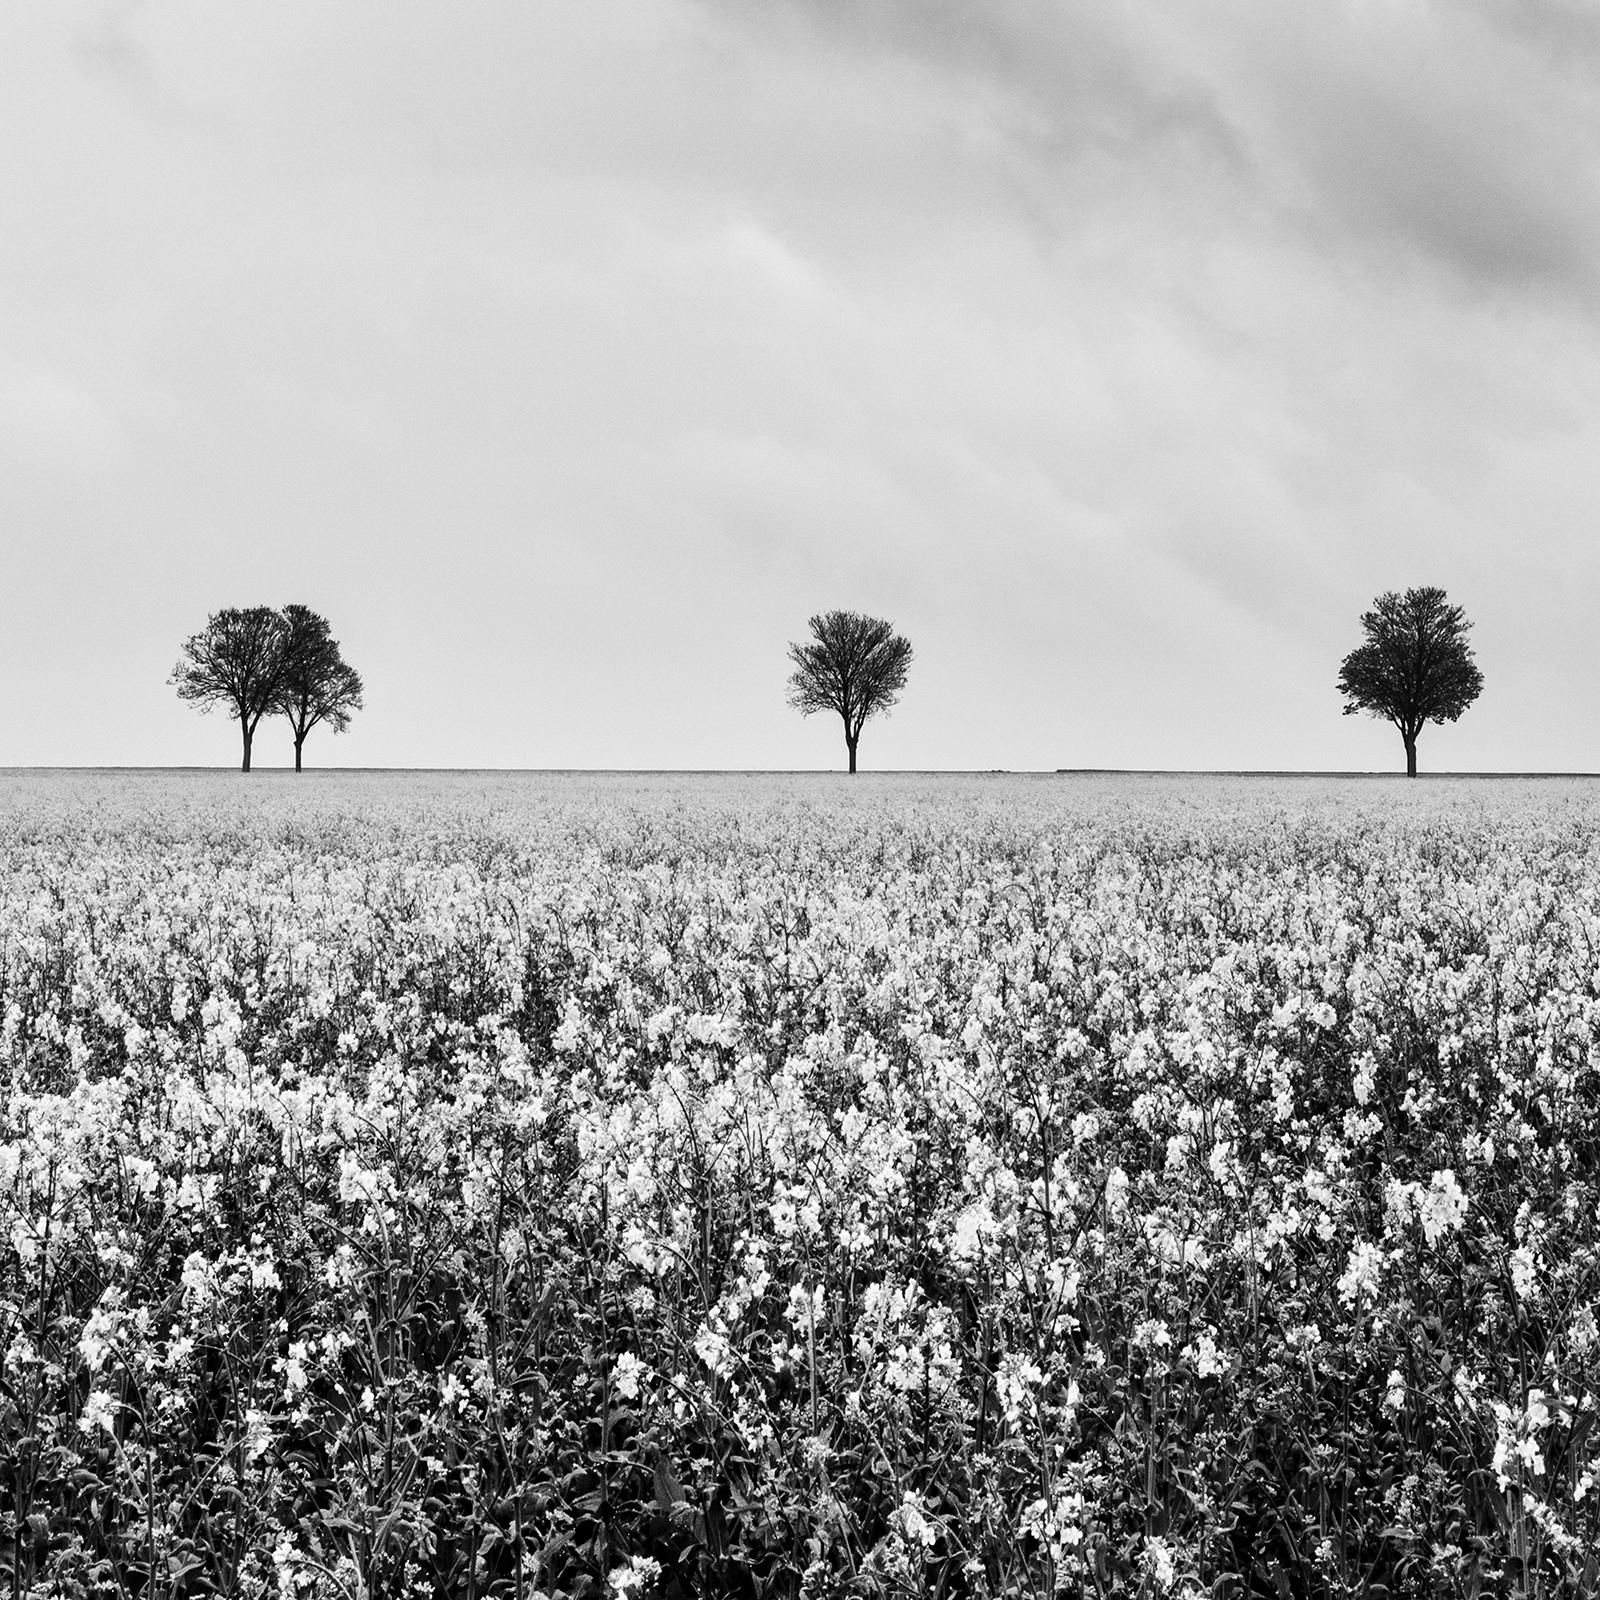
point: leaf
(548, 1552)
(684, 1515)
(668, 1490)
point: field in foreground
(560, 1186)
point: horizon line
(821, 772)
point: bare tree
(317, 684)
(1416, 666)
(854, 666)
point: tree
(854, 666)
(1416, 666)
(237, 661)
(317, 684)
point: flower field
(563, 1186)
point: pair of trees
(257, 661)
(1415, 667)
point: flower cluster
(556, 1186)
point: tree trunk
(1411, 754)
(248, 734)
(850, 744)
(300, 739)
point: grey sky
(568, 355)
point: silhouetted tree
(854, 666)
(317, 684)
(1416, 666)
(237, 661)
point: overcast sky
(567, 356)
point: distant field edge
(1269, 772)
(222, 769)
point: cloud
(108, 41)
(1457, 137)
(1426, 131)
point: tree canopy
(236, 661)
(316, 684)
(853, 666)
(257, 660)
(1414, 667)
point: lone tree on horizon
(1416, 666)
(854, 666)
(316, 684)
(236, 661)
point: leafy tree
(317, 683)
(1415, 667)
(236, 661)
(854, 666)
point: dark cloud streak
(1456, 136)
